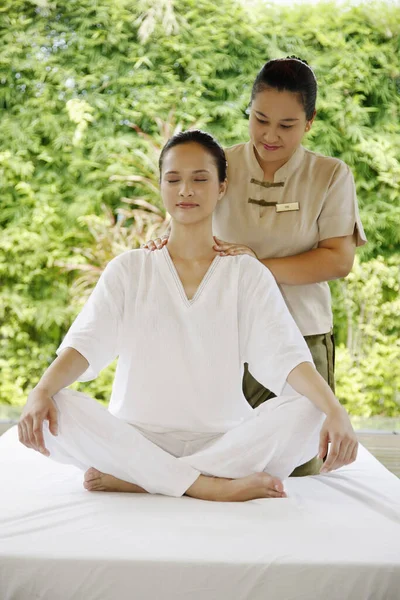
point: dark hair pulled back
(202, 138)
(290, 74)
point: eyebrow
(196, 171)
(262, 114)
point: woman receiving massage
(183, 322)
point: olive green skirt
(322, 348)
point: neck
(271, 167)
(191, 242)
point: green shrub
(367, 308)
(90, 89)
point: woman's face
(277, 125)
(190, 187)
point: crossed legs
(249, 461)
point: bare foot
(258, 485)
(95, 481)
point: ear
(222, 189)
(310, 122)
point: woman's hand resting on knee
(39, 407)
(337, 430)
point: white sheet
(335, 537)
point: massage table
(335, 537)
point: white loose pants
(282, 434)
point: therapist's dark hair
(290, 74)
(203, 139)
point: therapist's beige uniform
(312, 198)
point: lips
(187, 205)
(271, 148)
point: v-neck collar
(178, 281)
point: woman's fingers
(22, 434)
(333, 454)
(323, 444)
(232, 252)
(30, 433)
(341, 453)
(37, 433)
(337, 430)
(341, 460)
(219, 241)
(156, 244)
(39, 407)
(53, 419)
(24, 437)
(228, 249)
(354, 453)
(28, 424)
(149, 245)
(347, 453)
(231, 248)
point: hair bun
(298, 58)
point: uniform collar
(281, 174)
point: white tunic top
(181, 361)
(322, 186)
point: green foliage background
(88, 91)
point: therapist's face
(190, 187)
(277, 125)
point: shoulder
(253, 274)
(328, 167)
(127, 258)
(131, 259)
(257, 287)
(235, 153)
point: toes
(273, 494)
(93, 486)
(273, 487)
(92, 473)
(276, 484)
(93, 480)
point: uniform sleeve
(340, 215)
(270, 341)
(96, 330)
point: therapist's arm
(337, 428)
(63, 371)
(332, 259)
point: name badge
(287, 207)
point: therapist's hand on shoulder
(229, 249)
(338, 431)
(156, 244)
(39, 407)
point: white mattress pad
(336, 537)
